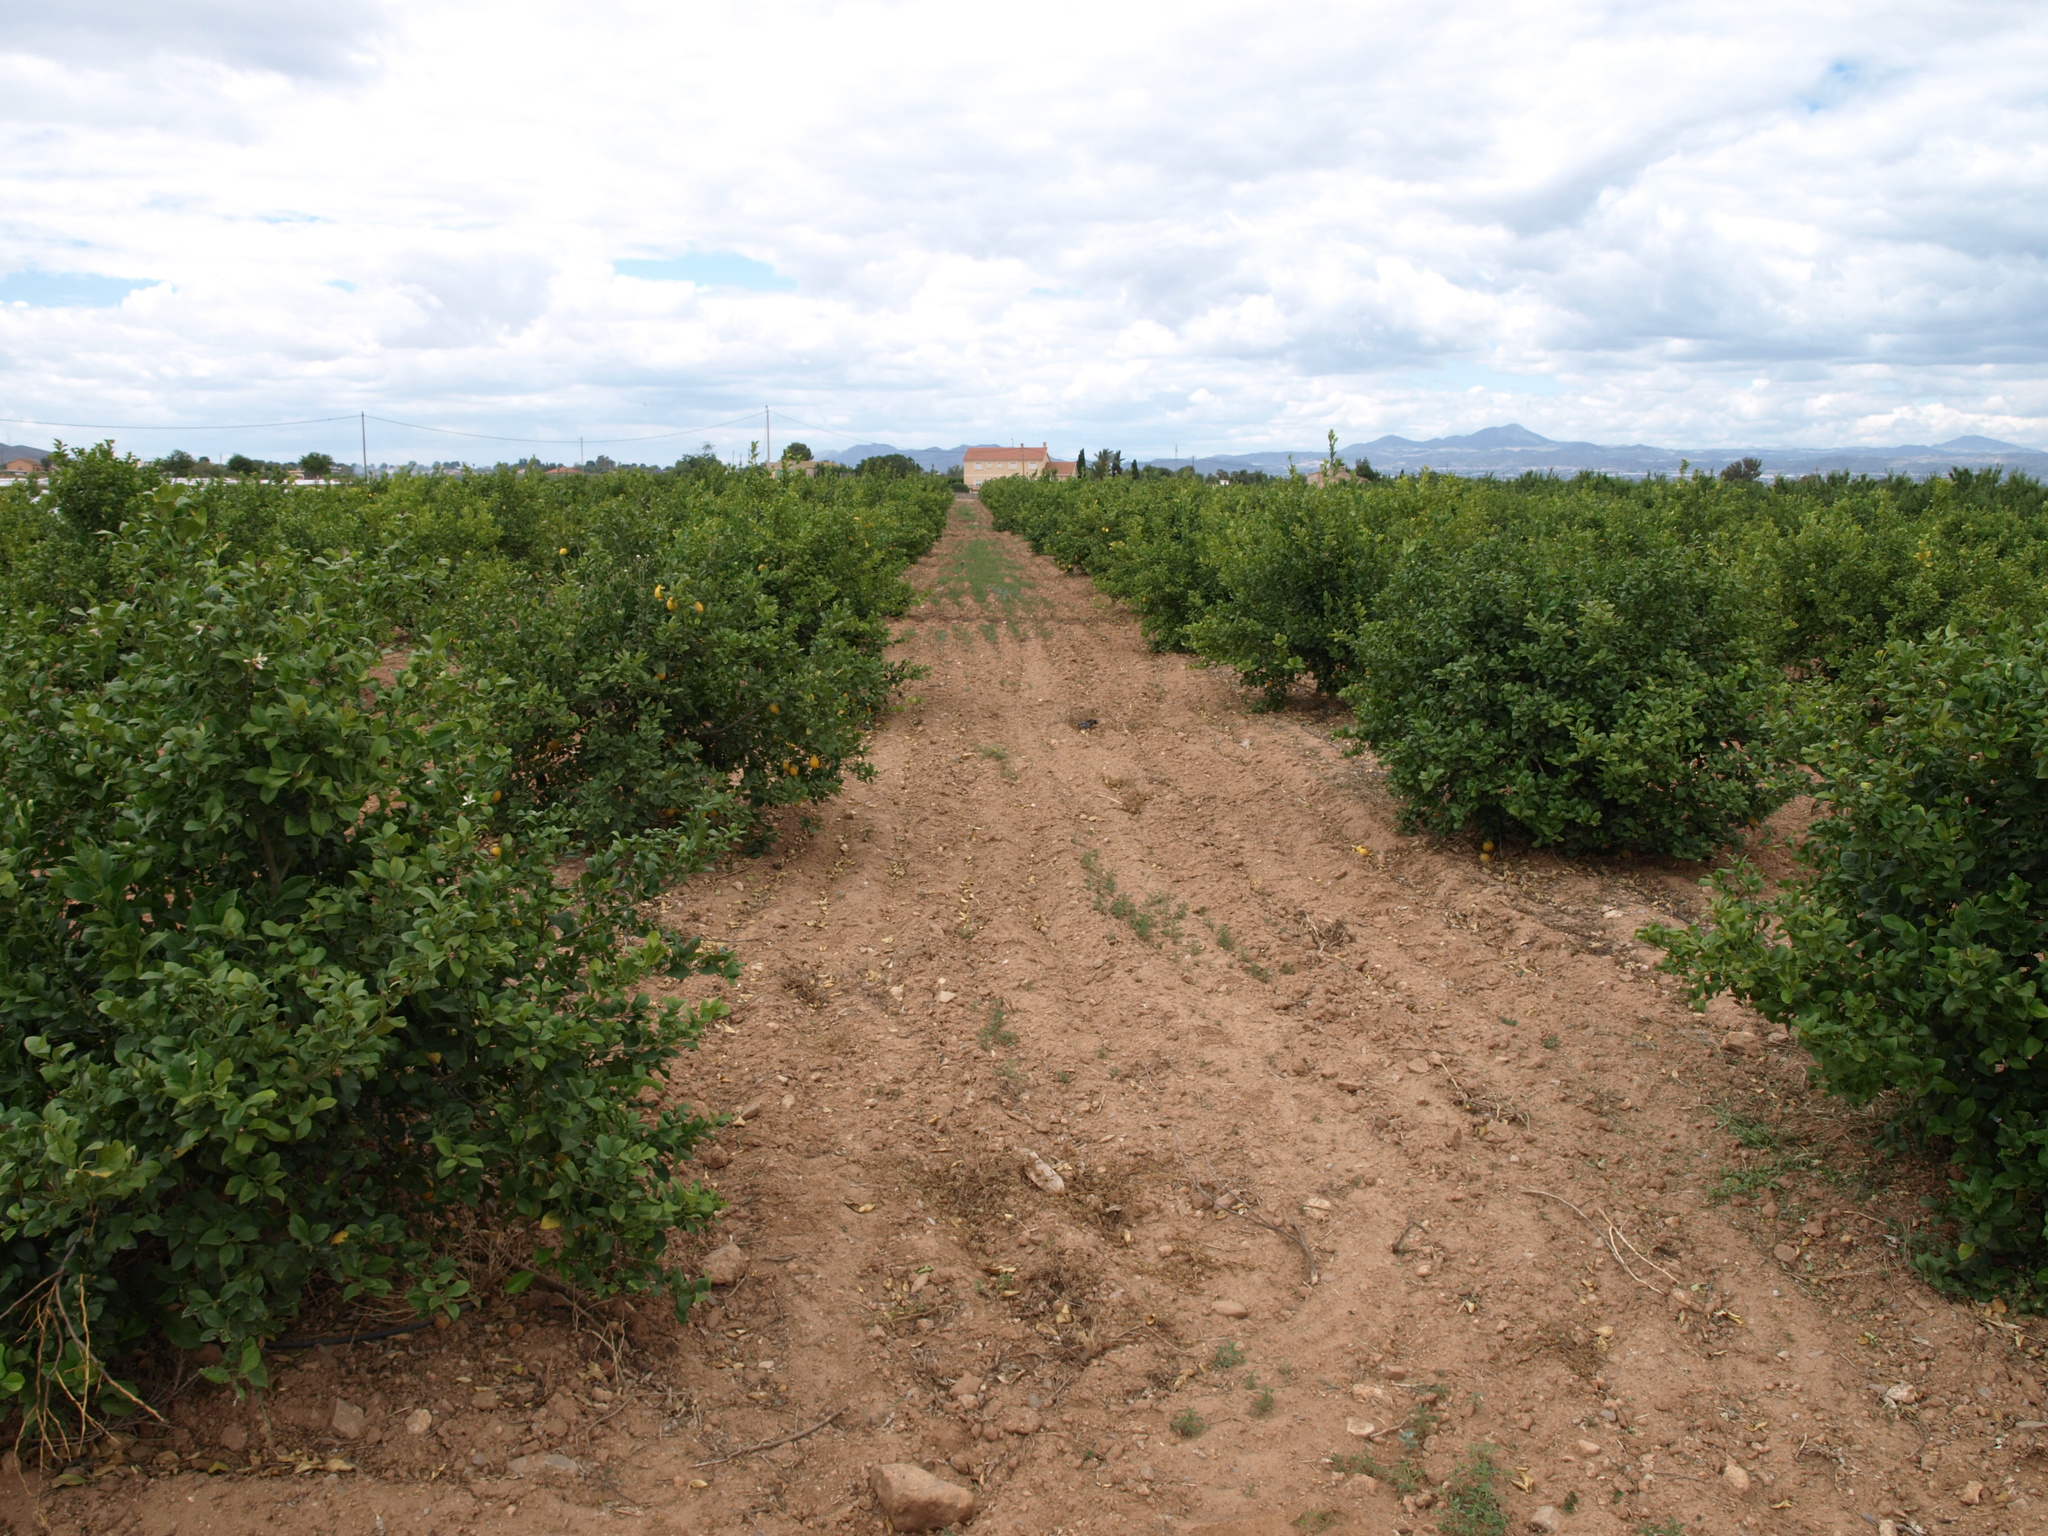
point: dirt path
(1092, 911)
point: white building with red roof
(980, 465)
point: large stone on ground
(725, 1266)
(915, 1500)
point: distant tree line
(180, 465)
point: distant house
(980, 465)
(806, 467)
(565, 469)
(23, 467)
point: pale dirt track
(1412, 1059)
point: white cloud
(1221, 225)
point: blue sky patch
(707, 269)
(67, 290)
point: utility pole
(579, 450)
(768, 433)
(363, 421)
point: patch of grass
(1316, 1519)
(1770, 1173)
(1511, 1023)
(1188, 1424)
(1571, 1502)
(996, 1032)
(1010, 1079)
(998, 753)
(1065, 1077)
(1153, 919)
(1422, 1422)
(1471, 1506)
(1262, 1403)
(1550, 1042)
(1403, 1477)
(1758, 1134)
(1660, 1528)
(982, 571)
(1227, 1355)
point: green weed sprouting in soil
(1550, 1042)
(996, 1032)
(1751, 1133)
(1188, 1424)
(1403, 1477)
(1406, 1475)
(1472, 1508)
(1227, 1355)
(1262, 1403)
(1314, 1520)
(1660, 1528)
(1154, 919)
(1571, 1502)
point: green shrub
(1585, 688)
(1297, 569)
(284, 995)
(1908, 957)
(1471, 1505)
(1847, 565)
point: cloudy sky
(1205, 225)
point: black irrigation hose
(360, 1338)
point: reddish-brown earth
(1418, 1061)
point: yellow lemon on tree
(774, 709)
(699, 607)
(550, 1222)
(814, 762)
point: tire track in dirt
(1094, 911)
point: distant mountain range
(1515, 450)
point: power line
(106, 426)
(363, 418)
(499, 437)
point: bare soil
(1374, 1152)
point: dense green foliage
(1493, 634)
(1909, 957)
(1594, 663)
(293, 982)
(1586, 687)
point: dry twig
(769, 1445)
(1240, 1203)
(1613, 1237)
